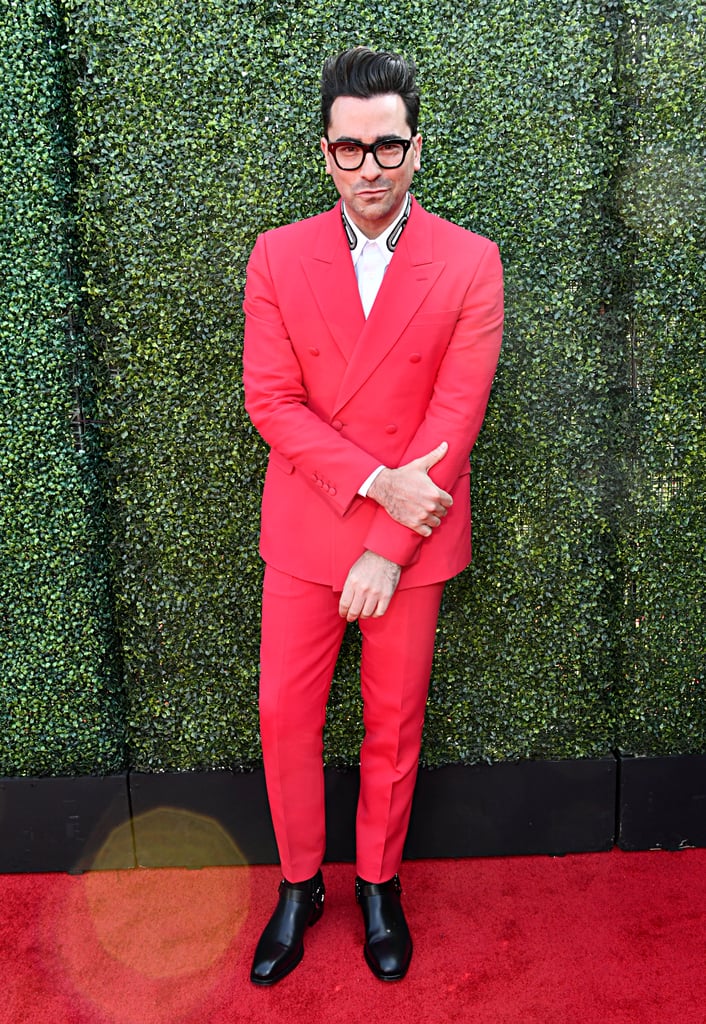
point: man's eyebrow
(380, 138)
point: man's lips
(371, 193)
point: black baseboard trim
(199, 819)
(551, 807)
(196, 819)
(65, 824)
(514, 808)
(662, 802)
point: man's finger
(346, 601)
(434, 456)
(352, 604)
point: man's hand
(410, 496)
(369, 586)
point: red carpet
(612, 938)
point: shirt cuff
(365, 486)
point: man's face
(373, 196)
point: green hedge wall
(570, 133)
(526, 659)
(196, 131)
(662, 201)
(61, 707)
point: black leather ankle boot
(281, 945)
(388, 944)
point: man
(371, 340)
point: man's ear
(417, 152)
(324, 150)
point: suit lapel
(329, 270)
(409, 278)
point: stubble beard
(373, 211)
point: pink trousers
(301, 636)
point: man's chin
(373, 211)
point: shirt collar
(387, 241)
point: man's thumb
(436, 455)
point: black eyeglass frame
(369, 148)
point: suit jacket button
(313, 350)
(337, 425)
(391, 428)
(415, 357)
(332, 490)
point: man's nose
(369, 168)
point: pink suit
(335, 396)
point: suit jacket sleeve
(458, 403)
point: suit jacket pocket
(436, 317)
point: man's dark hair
(364, 73)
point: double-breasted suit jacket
(336, 395)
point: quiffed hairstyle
(364, 73)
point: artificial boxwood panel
(166, 205)
(525, 660)
(197, 128)
(662, 199)
(60, 700)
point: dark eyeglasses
(388, 153)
